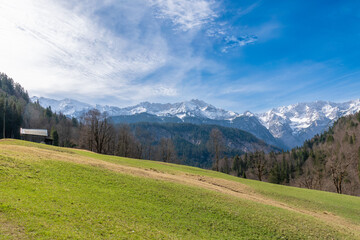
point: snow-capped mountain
(284, 127)
(193, 108)
(296, 123)
(193, 111)
(68, 107)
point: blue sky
(238, 55)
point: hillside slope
(190, 140)
(48, 192)
(246, 122)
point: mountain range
(285, 127)
(296, 123)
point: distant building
(35, 135)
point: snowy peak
(69, 107)
(248, 114)
(303, 115)
(194, 108)
(302, 121)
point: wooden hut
(36, 135)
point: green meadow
(48, 192)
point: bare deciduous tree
(125, 141)
(146, 139)
(338, 169)
(167, 150)
(98, 132)
(225, 165)
(127, 144)
(216, 146)
(308, 179)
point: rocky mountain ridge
(285, 127)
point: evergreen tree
(48, 112)
(55, 137)
(236, 165)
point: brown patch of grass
(10, 230)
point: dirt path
(231, 188)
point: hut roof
(35, 132)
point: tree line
(330, 161)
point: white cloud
(108, 52)
(248, 88)
(186, 14)
(51, 49)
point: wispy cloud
(247, 88)
(233, 42)
(188, 15)
(185, 14)
(244, 11)
(91, 49)
(52, 49)
(261, 89)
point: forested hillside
(196, 145)
(329, 162)
(190, 144)
(334, 158)
(13, 101)
(18, 111)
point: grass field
(56, 193)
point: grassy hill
(56, 193)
